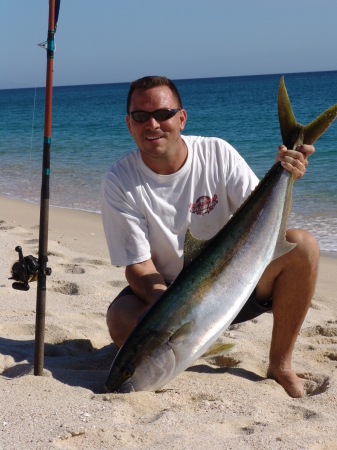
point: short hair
(151, 82)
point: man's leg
(122, 316)
(290, 280)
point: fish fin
(317, 127)
(193, 247)
(291, 130)
(217, 349)
(293, 133)
(179, 335)
(282, 247)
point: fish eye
(127, 373)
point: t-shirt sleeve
(125, 226)
(241, 182)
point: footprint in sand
(92, 262)
(331, 355)
(73, 268)
(328, 331)
(322, 336)
(299, 412)
(225, 361)
(118, 284)
(5, 226)
(255, 427)
(65, 288)
(314, 384)
(31, 241)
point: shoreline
(51, 206)
(226, 402)
(27, 214)
(13, 207)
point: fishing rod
(29, 268)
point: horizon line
(178, 79)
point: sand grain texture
(226, 403)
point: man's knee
(114, 323)
(300, 261)
(306, 250)
(122, 316)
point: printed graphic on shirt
(204, 205)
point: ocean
(89, 133)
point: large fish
(218, 276)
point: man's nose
(152, 123)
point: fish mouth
(126, 388)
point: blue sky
(109, 41)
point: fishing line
(31, 141)
(37, 53)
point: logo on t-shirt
(204, 205)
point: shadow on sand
(236, 371)
(74, 362)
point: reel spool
(25, 271)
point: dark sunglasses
(160, 115)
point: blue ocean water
(89, 133)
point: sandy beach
(226, 403)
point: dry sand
(225, 404)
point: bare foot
(288, 379)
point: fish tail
(293, 133)
(317, 127)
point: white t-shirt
(146, 215)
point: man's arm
(145, 281)
(295, 161)
(125, 312)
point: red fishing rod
(29, 268)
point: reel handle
(20, 286)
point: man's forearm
(145, 281)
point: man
(151, 196)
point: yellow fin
(193, 247)
(282, 247)
(217, 349)
(178, 336)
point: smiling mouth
(153, 138)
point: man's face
(156, 140)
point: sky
(111, 41)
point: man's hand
(295, 161)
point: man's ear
(183, 118)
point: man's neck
(168, 164)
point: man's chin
(153, 151)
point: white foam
(322, 226)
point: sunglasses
(160, 115)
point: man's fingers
(295, 161)
(306, 149)
(296, 168)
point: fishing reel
(25, 270)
